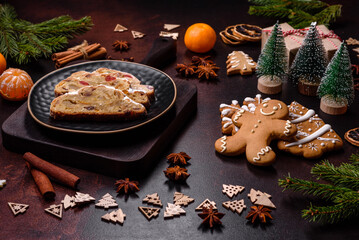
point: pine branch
(346, 175)
(277, 12)
(310, 187)
(354, 159)
(329, 14)
(23, 41)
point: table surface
(208, 170)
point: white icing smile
(275, 108)
(266, 114)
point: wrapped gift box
(293, 38)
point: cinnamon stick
(43, 183)
(60, 55)
(77, 55)
(52, 171)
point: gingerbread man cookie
(256, 131)
(227, 111)
(240, 63)
(313, 137)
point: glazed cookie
(240, 63)
(313, 137)
(227, 111)
(256, 131)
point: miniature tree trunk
(272, 63)
(309, 64)
(336, 89)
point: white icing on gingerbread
(224, 144)
(226, 119)
(227, 124)
(228, 106)
(266, 114)
(225, 112)
(305, 117)
(237, 116)
(262, 152)
(287, 127)
(311, 137)
(234, 102)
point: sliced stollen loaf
(126, 82)
(98, 103)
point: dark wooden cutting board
(110, 154)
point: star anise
(211, 217)
(120, 45)
(202, 61)
(178, 158)
(186, 69)
(127, 186)
(260, 212)
(207, 71)
(176, 173)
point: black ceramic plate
(42, 94)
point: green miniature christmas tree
(273, 58)
(272, 63)
(22, 41)
(342, 192)
(310, 62)
(337, 84)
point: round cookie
(256, 131)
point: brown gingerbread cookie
(240, 63)
(313, 137)
(256, 131)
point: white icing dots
(275, 108)
(309, 129)
(322, 144)
(300, 113)
(259, 121)
(265, 105)
(333, 141)
(255, 125)
(252, 131)
(300, 145)
(331, 130)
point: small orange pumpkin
(200, 38)
(15, 84)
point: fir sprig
(343, 191)
(23, 41)
(299, 13)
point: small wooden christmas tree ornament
(120, 28)
(83, 198)
(255, 194)
(173, 210)
(2, 183)
(115, 216)
(207, 204)
(106, 202)
(136, 34)
(235, 206)
(68, 202)
(170, 27)
(55, 210)
(181, 199)
(153, 199)
(336, 89)
(232, 190)
(149, 212)
(272, 63)
(17, 208)
(265, 201)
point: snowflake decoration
(293, 108)
(299, 127)
(17, 207)
(312, 146)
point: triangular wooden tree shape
(170, 27)
(254, 194)
(232, 190)
(55, 210)
(206, 204)
(83, 198)
(149, 212)
(2, 183)
(106, 202)
(120, 28)
(136, 34)
(235, 206)
(173, 210)
(265, 201)
(181, 199)
(115, 216)
(17, 208)
(153, 199)
(68, 201)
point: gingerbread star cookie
(240, 63)
(256, 131)
(313, 137)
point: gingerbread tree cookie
(240, 63)
(313, 137)
(256, 130)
